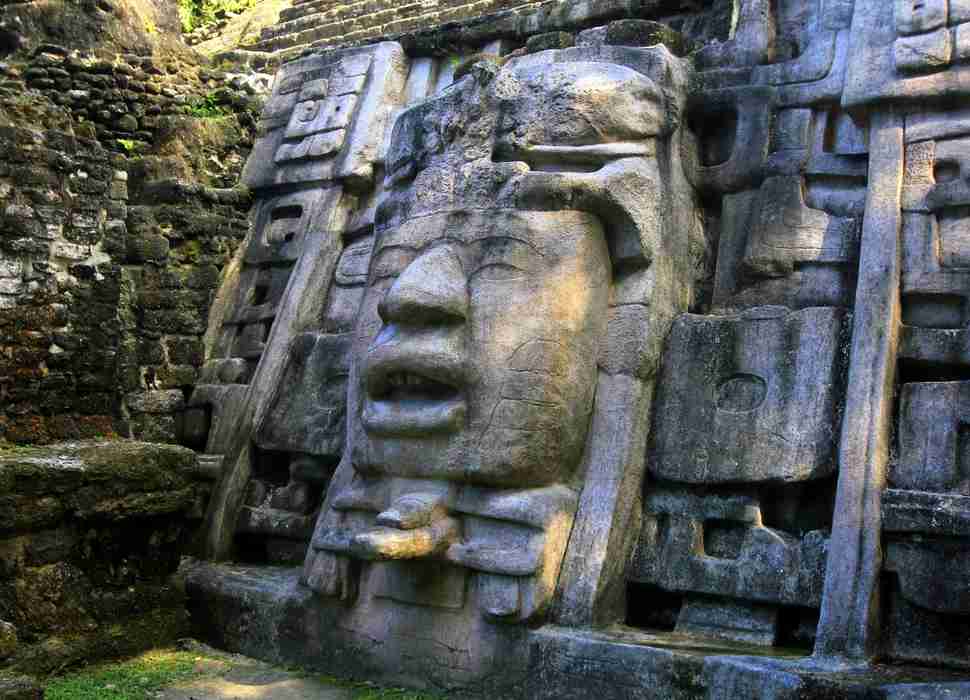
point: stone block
(550, 40)
(10, 269)
(8, 641)
(787, 231)
(70, 251)
(735, 621)
(640, 32)
(185, 351)
(158, 402)
(311, 418)
(961, 43)
(959, 12)
(569, 664)
(932, 574)
(920, 17)
(14, 687)
(934, 438)
(148, 248)
(792, 129)
(49, 546)
(925, 53)
(731, 393)
(920, 512)
(700, 546)
(927, 691)
(11, 286)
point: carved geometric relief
(309, 415)
(280, 229)
(936, 230)
(908, 50)
(731, 394)
(788, 232)
(794, 240)
(934, 438)
(326, 116)
(927, 521)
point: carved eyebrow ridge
(383, 244)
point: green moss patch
(188, 668)
(135, 679)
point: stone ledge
(110, 480)
(255, 611)
(14, 687)
(90, 536)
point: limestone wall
(90, 534)
(117, 214)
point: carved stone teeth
(405, 379)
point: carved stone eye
(741, 393)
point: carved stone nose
(432, 289)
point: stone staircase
(322, 23)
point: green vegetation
(135, 679)
(201, 13)
(208, 107)
(142, 677)
(394, 694)
(369, 691)
(127, 144)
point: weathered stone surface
(91, 532)
(65, 200)
(8, 639)
(13, 687)
(731, 391)
(457, 339)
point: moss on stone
(66, 466)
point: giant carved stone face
(481, 330)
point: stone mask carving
(484, 367)
(512, 255)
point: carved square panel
(934, 438)
(753, 397)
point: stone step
(328, 7)
(331, 29)
(403, 18)
(321, 12)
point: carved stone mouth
(404, 400)
(410, 386)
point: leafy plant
(208, 107)
(200, 13)
(127, 144)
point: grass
(141, 677)
(135, 679)
(366, 691)
(371, 691)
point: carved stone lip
(413, 417)
(413, 391)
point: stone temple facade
(605, 349)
